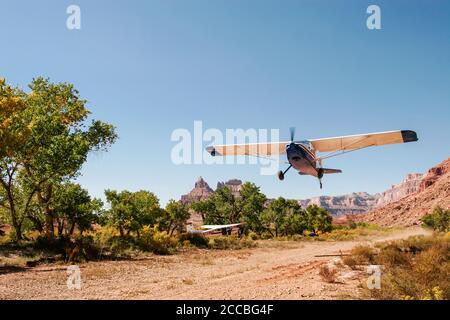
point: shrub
(82, 248)
(351, 262)
(364, 255)
(253, 235)
(438, 220)
(159, 242)
(328, 274)
(231, 242)
(417, 268)
(197, 240)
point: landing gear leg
(320, 174)
(281, 174)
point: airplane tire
(320, 173)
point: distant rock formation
(201, 191)
(235, 186)
(433, 190)
(355, 203)
(361, 202)
(409, 186)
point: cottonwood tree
(46, 141)
(319, 219)
(280, 214)
(223, 207)
(131, 211)
(74, 209)
(177, 215)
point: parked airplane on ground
(212, 229)
(302, 155)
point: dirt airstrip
(275, 270)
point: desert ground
(274, 270)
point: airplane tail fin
(331, 171)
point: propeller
(292, 130)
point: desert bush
(159, 242)
(351, 262)
(352, 232)
(393, 256)
(253, 235)
(364, 255)
(438, 220)
(230, 242)
(417, 268)
(81, 248)
(197, 240)
(328, 274)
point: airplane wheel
(281, 175)
(320, 173)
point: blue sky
(150, 67)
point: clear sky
(150, 67)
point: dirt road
(280, 270)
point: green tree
(131, 211)
(273, 217)
(319, 219)
(178, 214)
(74, 208)
(284, 217)
(438, 220)
(47, 141)
(223, 207)
(251, 204)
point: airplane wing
(222, 226)
(255, 149)
(355, 142)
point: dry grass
(417, 268)
(328, 274)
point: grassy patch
(328, 274)
(417, 268)
(230, 242)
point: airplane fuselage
(302, 158)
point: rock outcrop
(433, 191)
(235, 186)
(399, 191)
(201, 191)
(355, 203)
(362, 202)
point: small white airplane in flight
(302, 155)
(211, 229)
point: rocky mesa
(433, 190)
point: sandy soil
(279, 270)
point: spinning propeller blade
(292, 130)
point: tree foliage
(177, 215)
(46, 138)
(223, 207)
(438, 220)
(131, 211)
(74, 208)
